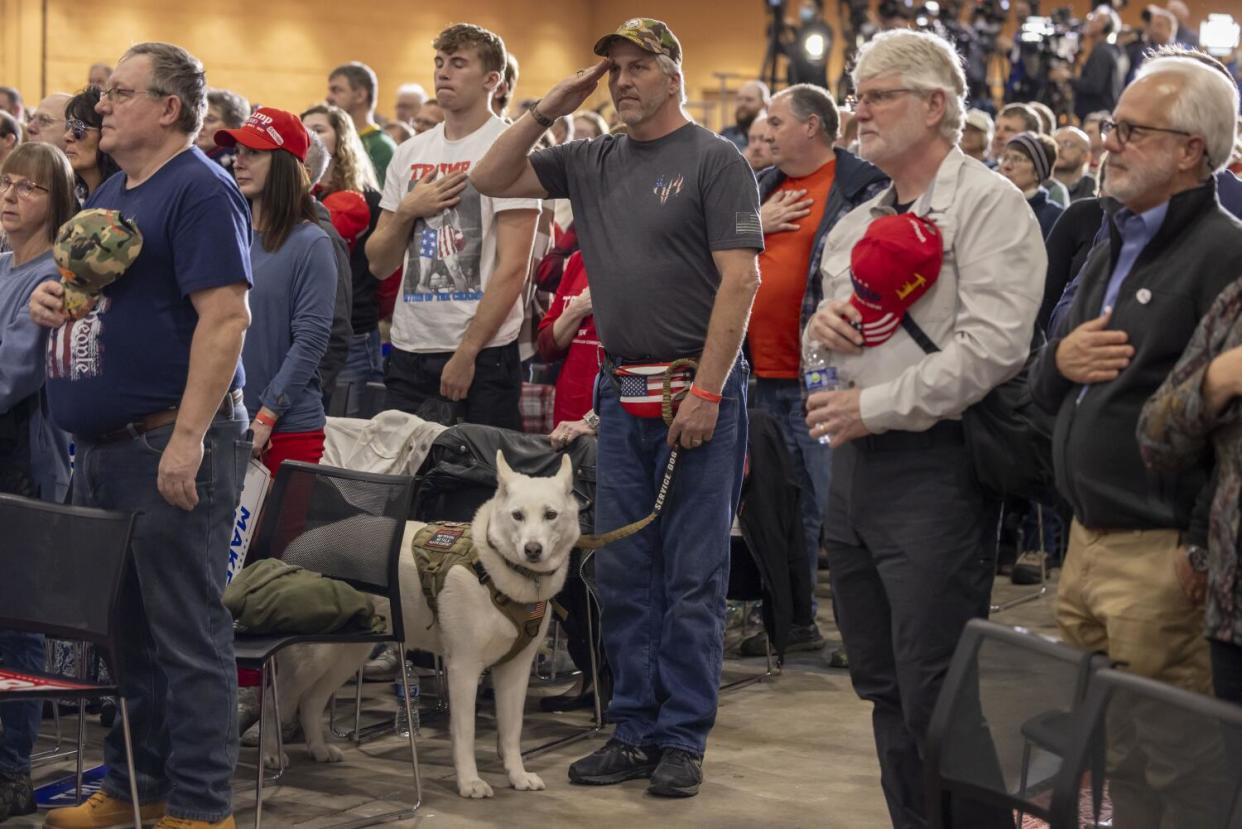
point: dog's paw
(271, 761)
(526, 781)
(326, 753)
(475, 788)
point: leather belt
(163, 418)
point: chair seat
(251, 651)
(34, 685)
(1051, 731)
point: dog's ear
(566, 474)
(504, 473)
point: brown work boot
(102, 811)
(184, 823)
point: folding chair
(1174, 758)
(1002, 726)
(343, 525)
(63, 568)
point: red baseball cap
(269, 129)
(895, 262)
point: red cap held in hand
(895, 262)
(269, 129)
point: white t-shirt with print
(451, 256)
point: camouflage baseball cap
(646, 33)
(93, 249)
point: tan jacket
(981, 311)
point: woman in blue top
(291, 303)
(36, 198)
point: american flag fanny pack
(654, 389)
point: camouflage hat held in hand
(93, 249)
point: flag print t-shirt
(451, 256)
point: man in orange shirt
(811, 186)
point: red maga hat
(269, 129)
(895, 262)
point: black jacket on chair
(1196, 254)
(770, 515)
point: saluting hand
(567, 96)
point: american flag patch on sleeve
(748, 223)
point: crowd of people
(933, 251)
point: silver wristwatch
(1198, 557)
(591, 419)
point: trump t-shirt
(450, 257)
(130, 356)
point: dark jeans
(662, 590)
(20, 652)
(176, 638)
(1226, 670)
(413, 382)
(812, 462)
(911, 559)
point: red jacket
(582, 359)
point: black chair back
(1173, 758)
(342, 524)
(1002, 725)
(61, 569)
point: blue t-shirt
(130, 357)
(291, 308)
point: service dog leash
(594, 542)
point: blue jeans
(662, 591)
(21, 652)
(176, 638)
(364, 364)
(812, 462)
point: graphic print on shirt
(73, 350)
(668, 186)
(447, 247)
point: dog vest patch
(437, 548)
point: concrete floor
(794, 751)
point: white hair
(671, 67)
(1206, 106)
(926, 63)
(412, 89)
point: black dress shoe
(679, 774)
(616, 762)
(571, 700)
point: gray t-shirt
(648, 216)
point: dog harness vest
(440, 547)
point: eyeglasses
(25, 188)
(78, 128)
(121, 94)
(1125, 130)
(878, 97)
(1016, 158)
(42, 120)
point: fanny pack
(654, 390)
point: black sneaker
(801, 638)
(679, 774)
(16, 796)
(1029, 568)
(616, 762)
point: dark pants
(911, 559)
(662, 590)
(20, 652)
(581, 620)
(176, 638)
(1226, 670)
(413, 382)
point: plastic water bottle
(818, 374)
(402, 727)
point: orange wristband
(703, 394)
(269, 422)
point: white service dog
(523, 537)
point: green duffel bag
(272, 597)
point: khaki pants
(1120, 595)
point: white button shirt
(981, 311)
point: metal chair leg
(409, 719)
(258, 785)
(129, 763)
(77, 777)
(1026, 768)
(357, 735)
(280, 728)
